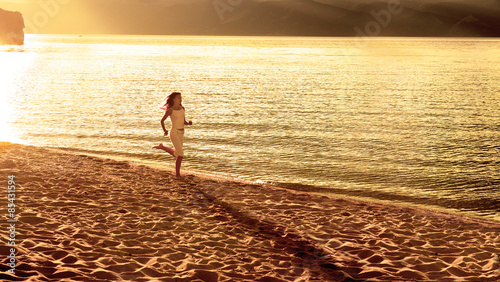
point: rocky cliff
(11, 28)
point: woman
(173, 108)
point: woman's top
(177, 117)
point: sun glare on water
(12, 61)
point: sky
(261, 17)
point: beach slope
(88, 218)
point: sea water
(408, 120)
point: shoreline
(305, 188)
(88, 217)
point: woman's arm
(187, 122)
(167, 113)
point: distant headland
(11, 28)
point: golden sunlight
(7, 133)
(11, 62)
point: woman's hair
(169, 101)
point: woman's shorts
(177, 138)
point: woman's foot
(159, 146)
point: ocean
(411, 121)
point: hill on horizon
(273, 17)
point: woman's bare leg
(166, 149)
(178, 167)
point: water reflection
(8, 66)
(412, 125)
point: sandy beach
(86, 218)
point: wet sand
(86, 218)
